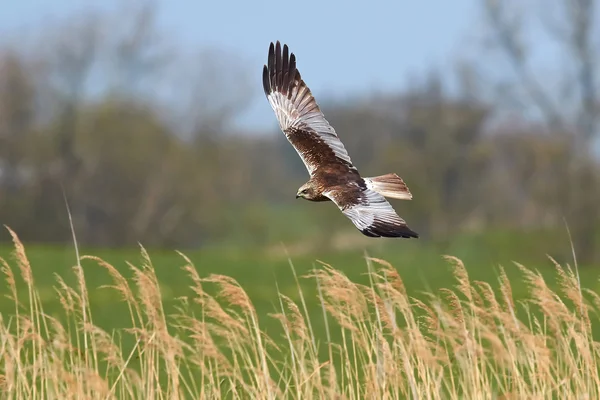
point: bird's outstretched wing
(370, 212)
(298, 114)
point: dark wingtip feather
(280, 73)
(271, 50)
(271, 65)
(367, 232)
(286, 70)
(382, 229)
(286, 52)
(278, 66)
(266, 82)
(410, 233)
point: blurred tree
(17, 114)
(528, 168)
(445, 156)
(143, 139)
(129, 169)
(432, 140)
(17, 102)
(569, 25)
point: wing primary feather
(266, 82)
(292, 62)
(271, 66)
(286, 71)
(278, 66)
(293, 76)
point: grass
(322, 334)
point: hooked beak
(297, 196)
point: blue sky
(342, 47)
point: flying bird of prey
(333, 177)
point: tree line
(135, 138)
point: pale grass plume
(9, 278)
(121, 285)
(21, 258)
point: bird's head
(305, 191)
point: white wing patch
(374, 216)
(374, 206)
(295, 106)
(291, 115)
(284, 110)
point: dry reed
(469, 341)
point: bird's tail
(389, 185)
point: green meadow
(262, 275)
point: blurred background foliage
(140, 136)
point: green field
(420, 264)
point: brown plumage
(333, 177)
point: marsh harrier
(333, 177)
